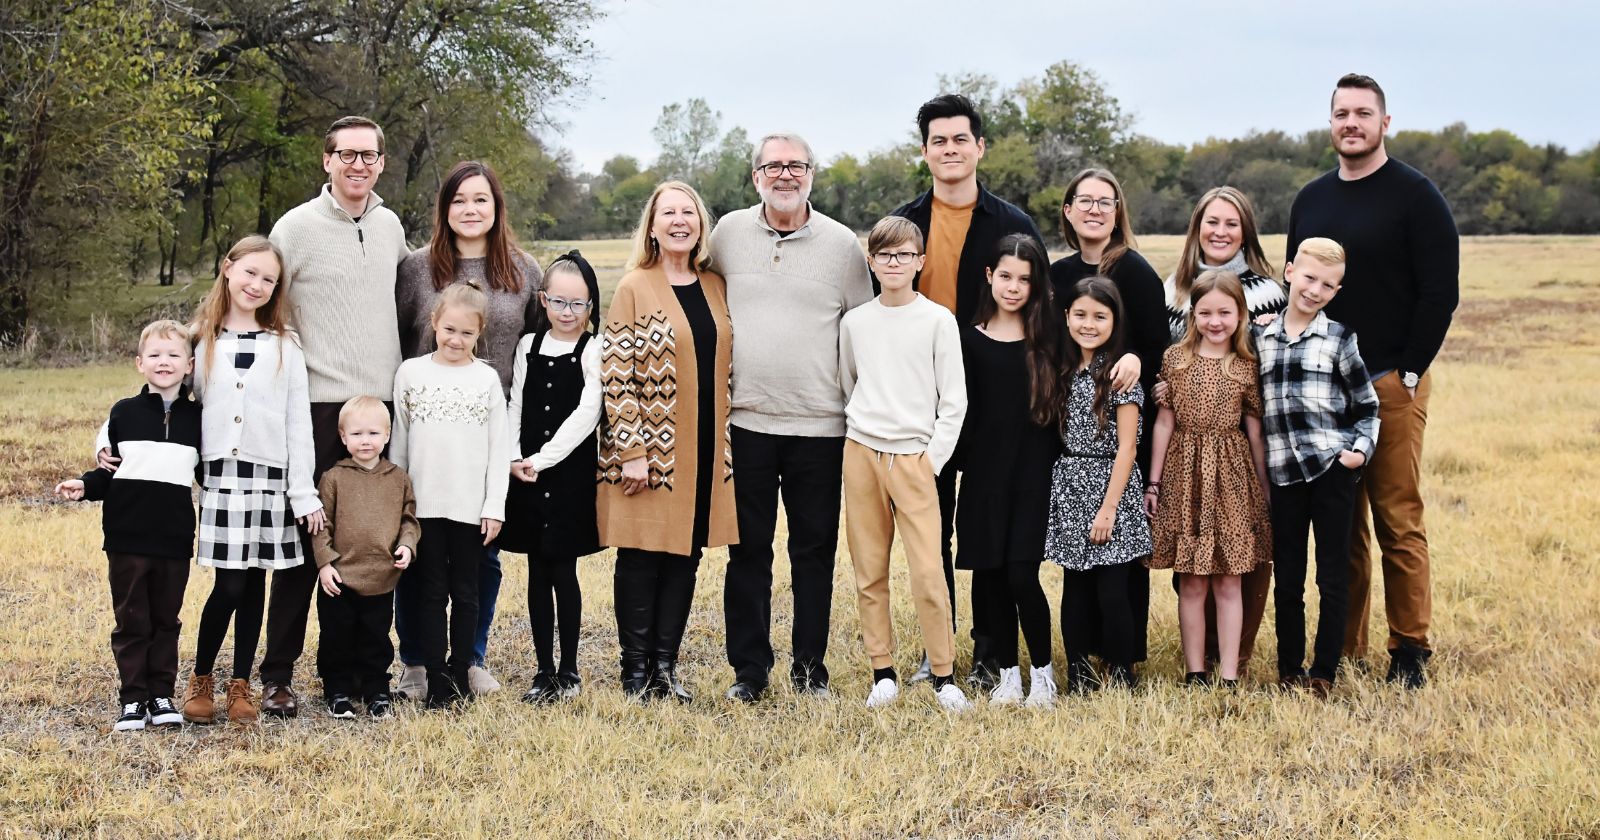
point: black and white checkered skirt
(245, 521)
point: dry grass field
(1505, 741)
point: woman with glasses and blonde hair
(666, 470)
(472, 243)
(1097, 225)
(1222, 236)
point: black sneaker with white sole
(163, 712)
(133, 717)
(341, 707)
(380, 707)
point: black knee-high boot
(635, 599)
(674, 598)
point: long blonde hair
(212, 313)
(466, 296)
(1249, 239)
(1188, 347)
(647, 253)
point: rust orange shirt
(947, 234)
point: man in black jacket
(1401, 287)
(961, 223)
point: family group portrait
(439, 419)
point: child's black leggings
(1107, 588)
(1012, 594)
(238, 594)
(558, 575)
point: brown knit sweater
(371, 513)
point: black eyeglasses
(797, 169)
(1085, 203)
(576, 307)
(368, 157)
(892, 257)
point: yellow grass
(1503, 743)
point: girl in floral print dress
(451, 435)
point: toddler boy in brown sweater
(370, 538)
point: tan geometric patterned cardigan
(651, 393)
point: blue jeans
(407, 602)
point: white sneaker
(1042, 694)
(884, 692)
(132, 718)
(951, 698)
(481, 682)
(1009, 691)
(413, 683)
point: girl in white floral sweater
(450, 434)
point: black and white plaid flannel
(1318, 398)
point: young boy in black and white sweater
(149, 522)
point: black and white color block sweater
(148, 507)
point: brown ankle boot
(242, 706)
(199, 700)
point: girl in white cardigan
(256, 462)
(450, 434)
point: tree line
(141, 136)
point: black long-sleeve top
(1402, 260)
(148, 507)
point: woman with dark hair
(472, 243)
(1009, 442)
(1222, 236)
(1096, 223)
(666, 469)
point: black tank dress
(554, 516)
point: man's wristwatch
(1409, 379)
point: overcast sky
(849, 74)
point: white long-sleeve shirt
(580, 424)
(905, 389)
(450, 435)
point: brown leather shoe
(241, 702)
(199, 699)
(279, 701)
(1319, 687)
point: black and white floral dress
(245, 520)
(1079, 481)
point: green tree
(1072, 121)
(686, 133)
(99, 100)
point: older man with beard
(792, 273)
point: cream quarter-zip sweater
(339, 273)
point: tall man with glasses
(792, 273)
(1400, 290)
(341, 251)
(962, 224)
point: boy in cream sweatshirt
(902, 419)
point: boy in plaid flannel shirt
(1322, 424)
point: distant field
(1504, 743)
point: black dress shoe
(1197, 679)
(744, 692)
(1407, 666)
(1080, 677)
(545, 689)
(1121, 675)
(984, 676)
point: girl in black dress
(1008, 445)
(550, 509)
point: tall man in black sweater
(961, 223)
(1401, 287)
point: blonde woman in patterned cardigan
(666, 471)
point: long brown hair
(1041, 327)
(1249, 244)
(503, 260)
(1101, 290)
(1228, 283)
(1122, 239)
(272, 316)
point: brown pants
(1391, 487)
(146, 594)
(882, 493)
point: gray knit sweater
(510, 313)
(786, 296)
(339, 275)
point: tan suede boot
(242, 706)
(199, 699)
